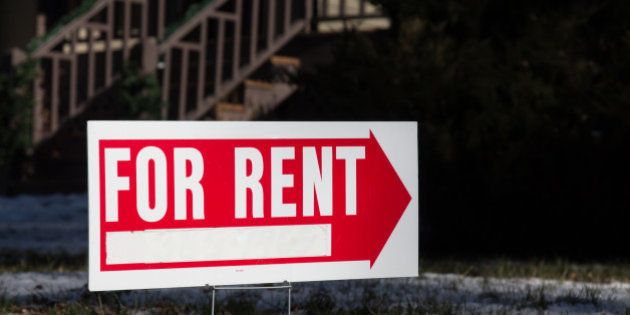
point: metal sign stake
(284, 285)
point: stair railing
(199, 61)
(220, 46)
(84, 57)
(346, 10)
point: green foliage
(139, 94)
(16, 103)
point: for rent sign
(175, 204)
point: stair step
(258, 84)
(231, 111)
(285, 61)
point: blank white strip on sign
(216, 244)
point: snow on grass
(44, 224)
(54, 224)
(25, 287)
(428, 292)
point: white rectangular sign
(178, 204)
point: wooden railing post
(73, 75)
(127, 29)
(237, 37)
(109, 65)
(271, 25)
(166, 83)
(38, 122)
(183, 84)
(253, 48)
(91, 63)
(149, 55)
(54, 99)
(201, 78)
(218, 72)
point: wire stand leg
(284, 285)
(289, 298)
(213, 294)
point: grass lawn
(557, 269)
(442, 291)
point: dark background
(524, 115)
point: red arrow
(381, 197)
(382, 200)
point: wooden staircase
(221, 60)
(204, 62)
(259, 96)
(236, 37)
